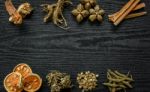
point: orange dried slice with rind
(23, 69)
(13, 82)
(32, 83)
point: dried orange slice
(32, 83)
(23, 69)
(13, 82)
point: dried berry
(87, 81)
(58, 81)
(80, 13)
(96, 14)
(88, 3)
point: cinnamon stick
(139, 6)
(10, 7)
(135, 15)
(123, 10)
(128, 10)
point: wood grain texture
(96, 47)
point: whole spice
(15, 17)
(88, 3)
(118, 81)
(24, 9)
(124, 13)
(58, 81)
(55, 13)
(87, 81)
(80, 13)
(96, 14)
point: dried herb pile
(90, 9)
(55, 13)
(118, 81)
(58, 81)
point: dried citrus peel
(13, 82)
(23, 69)
(32, 83)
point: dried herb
(54, 13)
(58, 81)
(80, 13)
(88, 3)
(118, 81)
(24, 9)
(96, 14)
(87, 81)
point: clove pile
(58, 81)
(126, 12)
(118, 81)
(54, 13)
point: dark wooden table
(86, 46)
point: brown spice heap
(54, 13)
(125, 12)
(58, 81)
(118, 81)
(87, 81)
(17, 15)
(21, 79)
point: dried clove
(87, 81)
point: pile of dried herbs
(55, 13)
(58, 81)
(118, 81)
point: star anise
(80, 13)
(96, 14)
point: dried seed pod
(87, 81)
(32, 83)
(96, 14)
(23, 69)
(24, 9)
(58, 81)
(80, 13)
(88, 3)
(13, 82)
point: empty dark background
(86, 46)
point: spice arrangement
(118, 81)
(55, 13)
(88, 8)
(126, 12)
(87, 81)
(17, 15)
(22, 78)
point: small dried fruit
(88, 3)
(80, 13)
(23, 69)
(13, 82)
(32, 83)
(87, 81)
(24, 9)
(96, 14)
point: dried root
(55, 13)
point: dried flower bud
(87, 81)
(96, 14)
(25, 9)
(80, 13)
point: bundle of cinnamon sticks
(126, 12)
